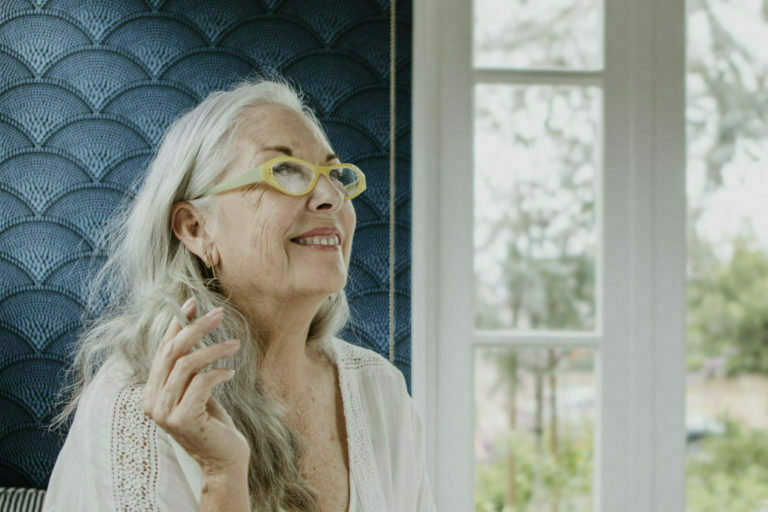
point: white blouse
(116, 458)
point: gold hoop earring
(214, 256)
(209, 265)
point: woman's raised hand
(179, 400)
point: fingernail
(215, 312)
(187, 306)
(232, 342)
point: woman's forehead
(278, 125)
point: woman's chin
(326, 286)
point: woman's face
(257, 222)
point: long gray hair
(125, 313)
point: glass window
(534, 35)
(727, 338)
(536, 160)
(534, 424)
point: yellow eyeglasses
(296, 177)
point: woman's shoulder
(110, 407)
(107, 446)
(110, 411)
(111, 384)
(124, 459)
(370, 367)
(358, 358)
(355, 357)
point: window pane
(534, 424)
(538, 35)
(727, 343)
(536, 158)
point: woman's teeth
(318, 240)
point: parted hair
(125, 315)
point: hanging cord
(392, 181)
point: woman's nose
(325, 192)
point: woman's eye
(284, 168)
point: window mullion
(639, 466)
(538, 339)
(538, 77)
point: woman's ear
(188, 226)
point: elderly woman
(246, 212)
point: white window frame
(640, 339)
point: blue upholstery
(21, 500)
(87, 88)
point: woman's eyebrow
(287, 151)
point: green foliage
(539, 476)
(729, 472)
(728, 311)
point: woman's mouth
(319, 243)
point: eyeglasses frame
(264, 173)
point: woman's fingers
(195, 399)
(174, 326)
(184, 342)
(181, 342)
(173, 329)
(186, 368)
(179, 400)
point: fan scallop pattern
(87, 90)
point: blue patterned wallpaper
(87, 87)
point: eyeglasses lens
(296, 178)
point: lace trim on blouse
(361, 451)
(133, 454)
